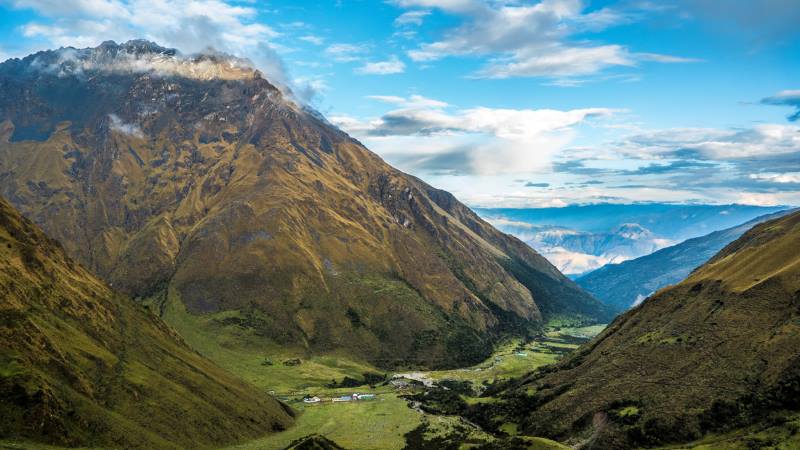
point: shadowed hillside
(83, 366)
(711, 354)
(195, 183)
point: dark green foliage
(314, 442)
(370, 379)
(416, 440)
(557, 298)
(438, 400)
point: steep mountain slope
(622, 286)
(715, 352)
(80, 365)
(195, 182)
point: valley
(193, 256)
(384, 421)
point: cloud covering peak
(140, 56)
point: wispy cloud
(789, 98)
(783, 178)
(532, 40)
(312, 39)
(346, 52)
(411, 18)
(130, 129)
(391, 66)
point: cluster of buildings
(346, 398)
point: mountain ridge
(222, 197)
(621, 285)
(713, 353)
(82, 366)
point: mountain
(624, 285)
(193, 183)
(576, 252)
(714, 353)
(83, 366)
(668, 221)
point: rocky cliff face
(83, 366)
(194, 181)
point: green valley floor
(390, 421)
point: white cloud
(130, 129)
(558, 62)
(316, 40)
(760, 141)
(789, 177)
(391, 66)
(411, 18)
(532, 40)
(191, 26)
(345, 52)
(429, 136)
(309, 88)
(666, 59)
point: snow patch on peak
(633, 231)
(141, 56)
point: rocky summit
(196, 185)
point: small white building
(313, 399)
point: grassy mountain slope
(81, 365)
(713, 353)
(621, 285)
(208, 191)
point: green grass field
(381, 423)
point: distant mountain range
(576, 252)
(579, 239)
(669, 221)
(624, 285)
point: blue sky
(508, 103)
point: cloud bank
(542, 39)
(424, 135)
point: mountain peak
(239, 203)
(633, 231)
(139, 56)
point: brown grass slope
(81, 365)
(227, 196)
(718, 351)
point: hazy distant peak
(633, 231)
(141, 56)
